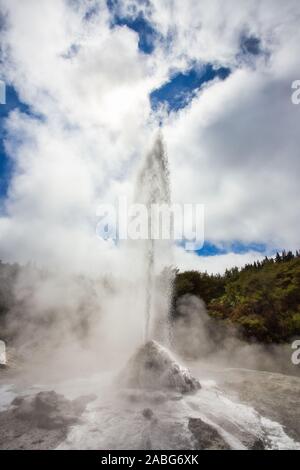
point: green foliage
(263, 298)
(193, 282)
(253, 326)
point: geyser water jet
(153, 188)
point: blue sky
(147, 34)
(181, 88)
(12, 102)
(210, 249)
(145, 30)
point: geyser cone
(153, 367)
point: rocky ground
(39, 422)
(153, 403)
(276, 396)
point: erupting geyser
(153, 188)
(152, 366)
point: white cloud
(94, 108)
(235, 148)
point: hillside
(263, 299)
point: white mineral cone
(153, 367)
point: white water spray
(152, 188)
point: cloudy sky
(89, 81)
